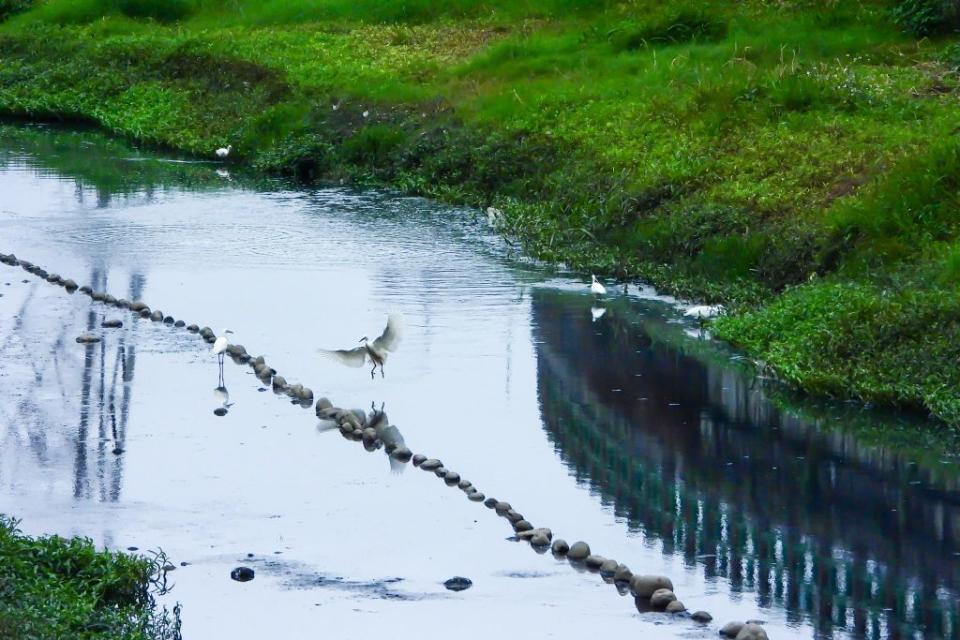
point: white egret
(220, 348)
(366, 113)
(703, 311)
(494, 216)
(223, 152)
(595, 287)
(377, 350)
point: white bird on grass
(223, 152)
(595, 287)
(377, 351)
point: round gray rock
(661, 598)
(579, 551)
(751, 631)
(402, 454)
(701, 616)
(452, 478)
(476, 497)
(431, 464)
(675, 607)
(594, 561)
(502, 508)
(644, 586)
(540, 540)
(490, 503)
(622, 574)
(279, 383)
(560, 547)
(418, 459)
(731, 629)
(522, 525)
(609, 566)
(111, 324)
(88, 338)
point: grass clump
(53, 588)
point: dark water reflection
(801, 513)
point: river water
(630, 430)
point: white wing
(349, 357)
(390, 338)
(219, 345)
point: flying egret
(377, 350)
(223, 152)
(595, 287)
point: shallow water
(630, 431)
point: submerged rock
(675, 607)
(731, 629)
(458, 583)
(123, 303)
(476, 497)
(751, 631)
(192, 328)
(70, 285)
(579, 551)
(145, 313)
(138, 306)
(111, 324)
(179, 324)
(560, 547)
(418, 459)
(157, 316)
(452, 478)
(661, 598)
(490, 503)
(87, 338)
(431, 464)
(701, 616)
(242, 574)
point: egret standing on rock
(377, 351)
(596, 288)
(219, 348)
(223, 152)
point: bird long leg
(373, 371)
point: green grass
(53, 588)
(757, 153)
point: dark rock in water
(701, 616)
(220, 411)
(169, 320)
(540, 540)
(622, 574)
(609, 567)
(193, 328)
(431, 464)
(236, 349)
(402, 454)
(88, 338)
(560, 547)
(70, 285)
(418, 459)
(751, 631)
(513, 516)
(490, 503)
(117, 451)
(210, 339)
(279, 383)
(111, 324)
(476, 497)
(465, 485)
(522, 525)
(132, 549)
(256, 361)
(676, 607)
(86, 289)
(99, 296)
(242, 574)
(145, 313)
(441, 472)
(138, 306)
(179, 323)
(109, 299)
(645, 586)
(305, 393)
(322, 403)
(123, 303)
(731, 629)
(452, 478)
(594, 561)
(579, 551)
(502, 507)
(661, 598)
(206, 331)
(157, 316)
(458, 583)
(54, 277)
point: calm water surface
(629, 430)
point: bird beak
(228, 331)
(363, 339)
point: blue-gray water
(630, 431)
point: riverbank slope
(796, 160)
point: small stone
(84, 289)
(418, 459)
(145, 313)
(522, 525)
(513, 516)
(476, 497)
(560, 547)
(206, 331)
(751, 631)
(256, 361)
(99, 296)
(490, 503)
(305, 393)
(502, 507)
(458, 583)
(540, 540)
(609, 567)
(111, 324)
(431, 464)
(701, 616)
(403, 454)
(527, 535)
(661, 598)
(675, 607)
(123, 303)
(441, 472)
(465, 485)
(179, 324)
(644, 586)
(70, 285)
(220, 411)
(452, 478)
(88, 338)
(279, 383)
(622, 574)
(157, 316)
(242, 574)
(109, 299)
(192, 328)
(138, 306)
(168, 320)
(579, 551)
(594, 561)
(731, 629)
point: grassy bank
(53, 588)
(795, 159)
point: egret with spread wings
(377, 350)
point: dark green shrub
(11, 7)
(159, 10)
(681, 27)
(928, 17)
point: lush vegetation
(53, 588)
(796, 159)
